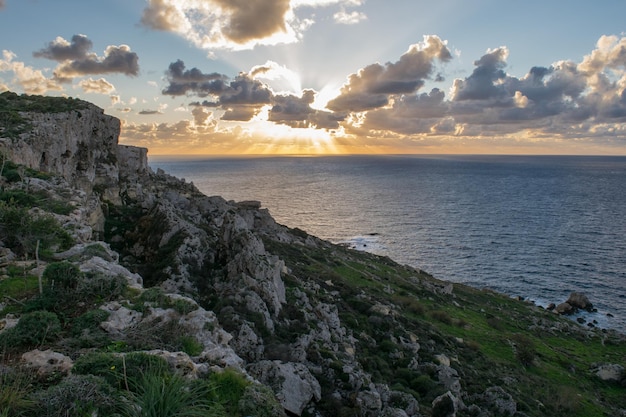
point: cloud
(247, 21)
(75, 58)
(117, 59)
(100, 86)
(351, 18)
(565, 99)
(373, 86)
(239, 24)
(581, 100)
(32, 81)
(297, 112)
(193, 81)
(61, 50)
(481, 84)
(201, 116)
(233, 24)
(242, 98)
(149, 112)
(2, 4)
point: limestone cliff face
(82, 147)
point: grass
(495, 338)
(172, 396)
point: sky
(302, 77)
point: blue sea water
(538, 227)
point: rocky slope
(331, 331)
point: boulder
(564, 308)
(120, 318)
(579, 300)
(47, 362)
(293, 383)
(449, 378)
(369, 403)
(97, 264)
(500, 401)
(8, 322)
(610, 372)
(446, 405)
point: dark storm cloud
(60, 50)
(250, 20)
(373, 86)
(76, 60)
(149, 112)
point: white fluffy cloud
(31, 80)
(99, 86)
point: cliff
(210, 286)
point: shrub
(32, 330)
(78, 395)
(441, 316)
(90, 321)
(157, 297)
(101, 287)
(183, 307)
(228, 388)
(120, 371)
(22, 231)
(105, 365)
(62, 275)
(190, 345)
(259, 401)
(525, 350)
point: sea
(537, 227)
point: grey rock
(500, 401)
(47, 362)
(579, 300)
(293, 383)
(446, 405)
(564, 308)
(610, 372)
(369, 402)
(120, 318)
(449, 378)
